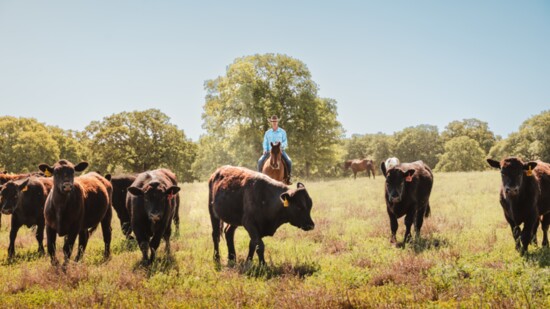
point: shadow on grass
(163, 264)
(423, 244)
(300, 269)
(23, 257)
(540, 256)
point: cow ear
(81, 166)
(23, 185)
(493, 163)
(530, 165)
(300, 185)
(108, 177)
(135, 191)
(285, 198)
(173, 190)
(383, 168)
(46, 169)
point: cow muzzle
(308, 227)
(395, 199)
(154, 218)
(511, 191)
(6, 211)
(67, 186)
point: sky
(388, 64)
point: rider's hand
(265, 152)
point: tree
(139, 141)
(255, 87)
(419, 143)
(69, 146)
(462, 154)
(474, 129)
(25, 143)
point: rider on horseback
(274, 135)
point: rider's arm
(284, 142)
(266, 142)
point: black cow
(121, 183)
(75, 207)
(239, 196)
(24, 199)
(152, 204)
(407, 192)
(524, 197)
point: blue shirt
(271, 136)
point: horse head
(275, 155)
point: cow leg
(126, 229)
(215, 236)
(393, 225)
(527, 233)
(154, 245)
(409, 219)
(167, 234)
(40, 235)
(177, 219)
(15, 225)
(545, 225)
(107, 232)
(144, 247)
(534, 240)
(51, 236)
(83, 237)
(418, 221)
(354, 175)
(260, 251)
(229, 238)
(68, 246)
(516, 231)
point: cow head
(298, 204)
(63, 174)
(512, 171)
(395, 182)
(9, 195)
(156, 198)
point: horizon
(388, 65)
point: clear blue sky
(389, 64)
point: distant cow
(359, 166)
(525, 197)
(24, 199)
(152, 204)
(407, 192)
(242, 197)
(75, 207)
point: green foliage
(255, 87)
(531, 142)
(139, 141)
(419, 143)
(461, 154)
(377, 147)
(25, 143)
(473, 128)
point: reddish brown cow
(75, 207)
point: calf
(24, 200)
(152, 204)
(524, 197)
(407, 192)
(239, 196)
(75, 207)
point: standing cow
(75, 207)
(407, 192)
(152, 203)
(525, 197)
(242, 197)
(24, 199)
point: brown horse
(274, 166)
(360, 165)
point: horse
(360, 165)
(274, 166)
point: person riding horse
(275, 135)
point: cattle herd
(147, 203)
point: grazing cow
(24, 199)
(239, 196)
(407, 192)
(525, 197)
(152, 205)
(361, 165)
(75, 207)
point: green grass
(466, 258)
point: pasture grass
(465, 258)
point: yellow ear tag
(25, 189)
(285, 204)
(529, 172)
(47, 173)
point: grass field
(466, 258)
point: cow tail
(428, 211)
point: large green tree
(473, 128)
(462, 154)
(419, 143)
(255, 87)
(139, 141)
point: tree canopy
(462, 153)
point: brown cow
(75, 207)
(525, 197)
(359, 166)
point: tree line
(236, 109)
